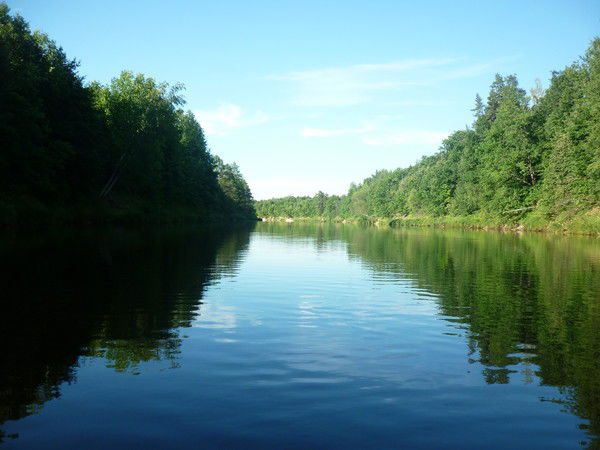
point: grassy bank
(581, 223)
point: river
(299, 336)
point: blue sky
(309, 96)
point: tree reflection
(120, 295)
(529, 303)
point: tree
(234, 187)
(70, 147)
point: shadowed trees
(68, 148)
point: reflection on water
(301, 335)
(119, 295)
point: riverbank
(29, 213)
(585, 223)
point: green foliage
(539, 156)
(572, 175)
(46, 117)
(234, 187)
(126, 146)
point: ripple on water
(306, 336)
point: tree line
(126, 148)
(535, 154)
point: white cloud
(422, 102)
(352, 85)
(407, 137)
(227, 118)
(360, 83)
(316, 132)
(473, 70)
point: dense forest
(527, 158)
(86, 151)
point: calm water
(296, 336)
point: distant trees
(127, 144)
(540, 152)
(321, 205)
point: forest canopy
(127, 148)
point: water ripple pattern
(314, 336)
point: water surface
(296, 336)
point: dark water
(300, 336)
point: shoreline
(586, 224)
(82, 216)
